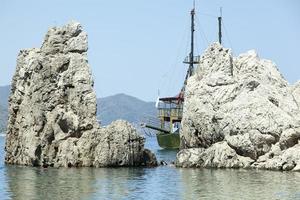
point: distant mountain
(3, 118)
(4, 93)
(119, 106)
(122, 106)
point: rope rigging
(174, 74)
(167, 124)
(227, 36)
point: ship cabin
(170, 112)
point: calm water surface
(165, 182)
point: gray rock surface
(52, 110)
(239, 112)
(219, 155)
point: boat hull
(168, 140)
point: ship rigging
(170, 109)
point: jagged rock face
(244, 104)
(52, 110)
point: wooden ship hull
(168, 140)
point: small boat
(170, 109)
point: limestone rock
(219, 155)
(288, 159)
(244, 102)
(52, 110)
(289, 138)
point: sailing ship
(170, 109)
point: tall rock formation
(52, 110)
(239, 112)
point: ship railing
(173, 112)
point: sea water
(164, 182)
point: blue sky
(137, 46)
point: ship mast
(191, 67)
(190, 59)
(170, 114)
(220, 26)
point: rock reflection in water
(81, 183)
(239, 184)
(93, 183)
